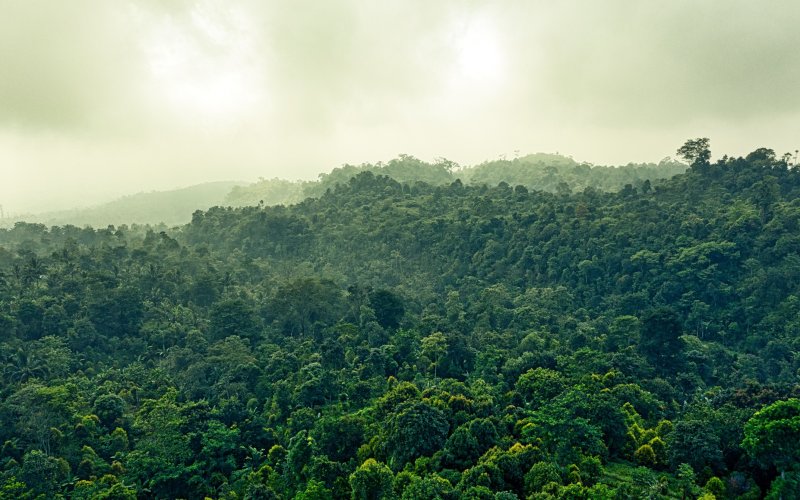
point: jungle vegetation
(435, 338)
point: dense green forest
(545, 172)
(417, 340)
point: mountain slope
(415, 341)
(171, 207)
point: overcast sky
(100, 98)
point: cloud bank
(100, 98)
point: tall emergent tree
(696, 151)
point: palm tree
(22, 366)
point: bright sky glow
(101, 98)
(205, 67)
(480, 54)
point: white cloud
(128, 96)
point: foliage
(772, 435)
(434, 339)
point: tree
(372, 480)
(434, 346)
(299, 457)
(539, 385)
(109, 408)
(24, 366)
(762, 156)
(696, 151)
(433, 487)
(765, 193)
(315, 490)
(541, 474)
(716, 487)
(40, 410)
(43, 473)
(301, 303)
(645, 455)
(416, 429)
(784, 487)
(695, 442)
(772, 435)
(686, 480)
(220, 447)
(162, 450)
(339, 438)
(233, 316)
(661, 342)
(388, 308)
(624, 330)
(461, 449)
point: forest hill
(410, 340)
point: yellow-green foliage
(644, 455)
(716, 487)
(645, 446)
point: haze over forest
(103, 99)
(399, 250)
